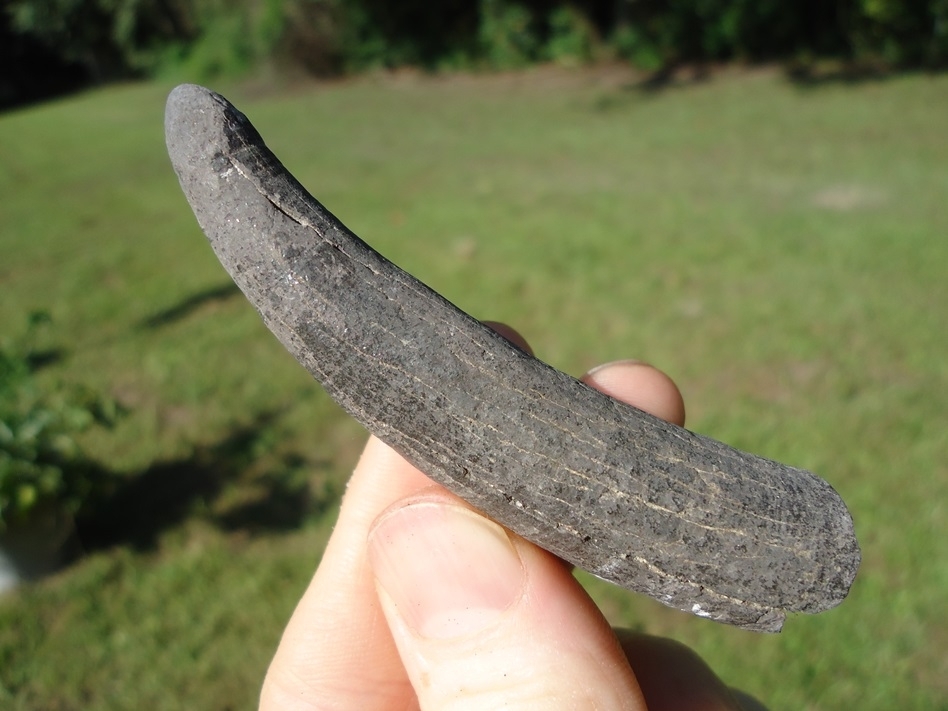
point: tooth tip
(188, 93)
(192, 123)
(188, 101)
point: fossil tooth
(688, 520)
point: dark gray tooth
(690, 521)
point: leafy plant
(41, 461)
(572, 36)
(200, 40)
(634, 45)
(507, 34)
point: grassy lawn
(780, 250)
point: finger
(641, 385)
(671, 676)
(483, 619)
(336, 650)
(511, 334)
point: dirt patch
(605, 75)
(847, 198)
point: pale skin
(420, 602)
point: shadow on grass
(212, 484)
(190, 304)
(673, 74)
(811, 75)
(37, 360)
(802, 74)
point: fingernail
(613, 363)
(447, 570)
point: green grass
(780, 250)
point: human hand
(421, 602)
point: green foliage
(118, 38)
(40, 459)
(224, 47)
(203, 39)
(897, 32)
(571, 37)
(224, 39)
(901, 33)
(314, 33)
(369, 39)
(507, 34)
(631, 43)
(112, 38)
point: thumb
(482, 619)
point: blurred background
(752, 196)
(52, 46)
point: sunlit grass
(780, 250)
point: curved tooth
(692, 522)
